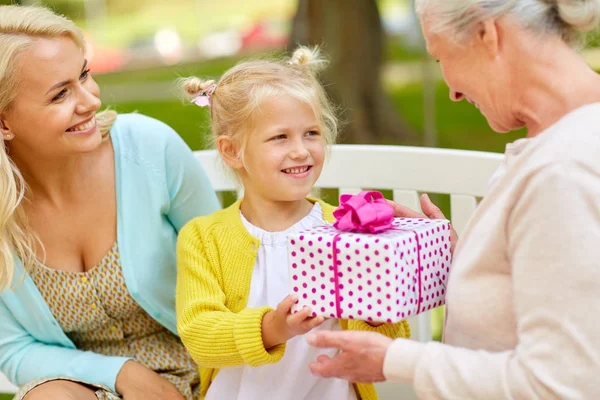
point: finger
(431, 210)
(324, 367)
(323, 358)
(330, 339)
(401, 211)
(286, 304)
(296, 319)
(312, 323)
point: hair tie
(203, 98)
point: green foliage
(213, 68)
(459, 125)
(116, 7)
(397, 50)
(189, 121)
(74, 9)
(593, 39)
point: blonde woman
(90, 207)
(524, 287)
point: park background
(388, 90)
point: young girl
(272, 123)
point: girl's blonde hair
(240, 91)
(19, 28)
(569, 19)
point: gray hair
(567, 18)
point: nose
(456, 96)
(299, 150)
(88, 101)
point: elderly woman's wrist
(401, 360)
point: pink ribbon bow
(366, 212)
(203, 99)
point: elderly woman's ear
(488, 36)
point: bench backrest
(406, 171)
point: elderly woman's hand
(360, 358)
(430, 210)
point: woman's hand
(136, 382)
(280, 325)
(430, 210)
(360, 357)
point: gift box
(369, 265)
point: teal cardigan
(160, 186)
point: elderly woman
(90, 207)
(525, 280)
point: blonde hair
(569, 19)
(240, 91)
(19, 27)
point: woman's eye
(84, 75)
(278, 137)
(60, 95)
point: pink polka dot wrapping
(384, 277)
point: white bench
(407, 171)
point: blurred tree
(352, 36)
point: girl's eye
(312, 133)
(60, 95)
(84, 75)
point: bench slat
(461, 208)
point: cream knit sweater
(524, 289)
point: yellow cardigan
(215, 260)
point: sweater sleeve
(393, 331)
(553, 246)
(214, 335)
(23, 359)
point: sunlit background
(137, 48)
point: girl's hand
(136, 382)
(280, 325)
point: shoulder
(572, 143)
(140, 133)
(139, 127)
(576, 137)
(146, 141)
